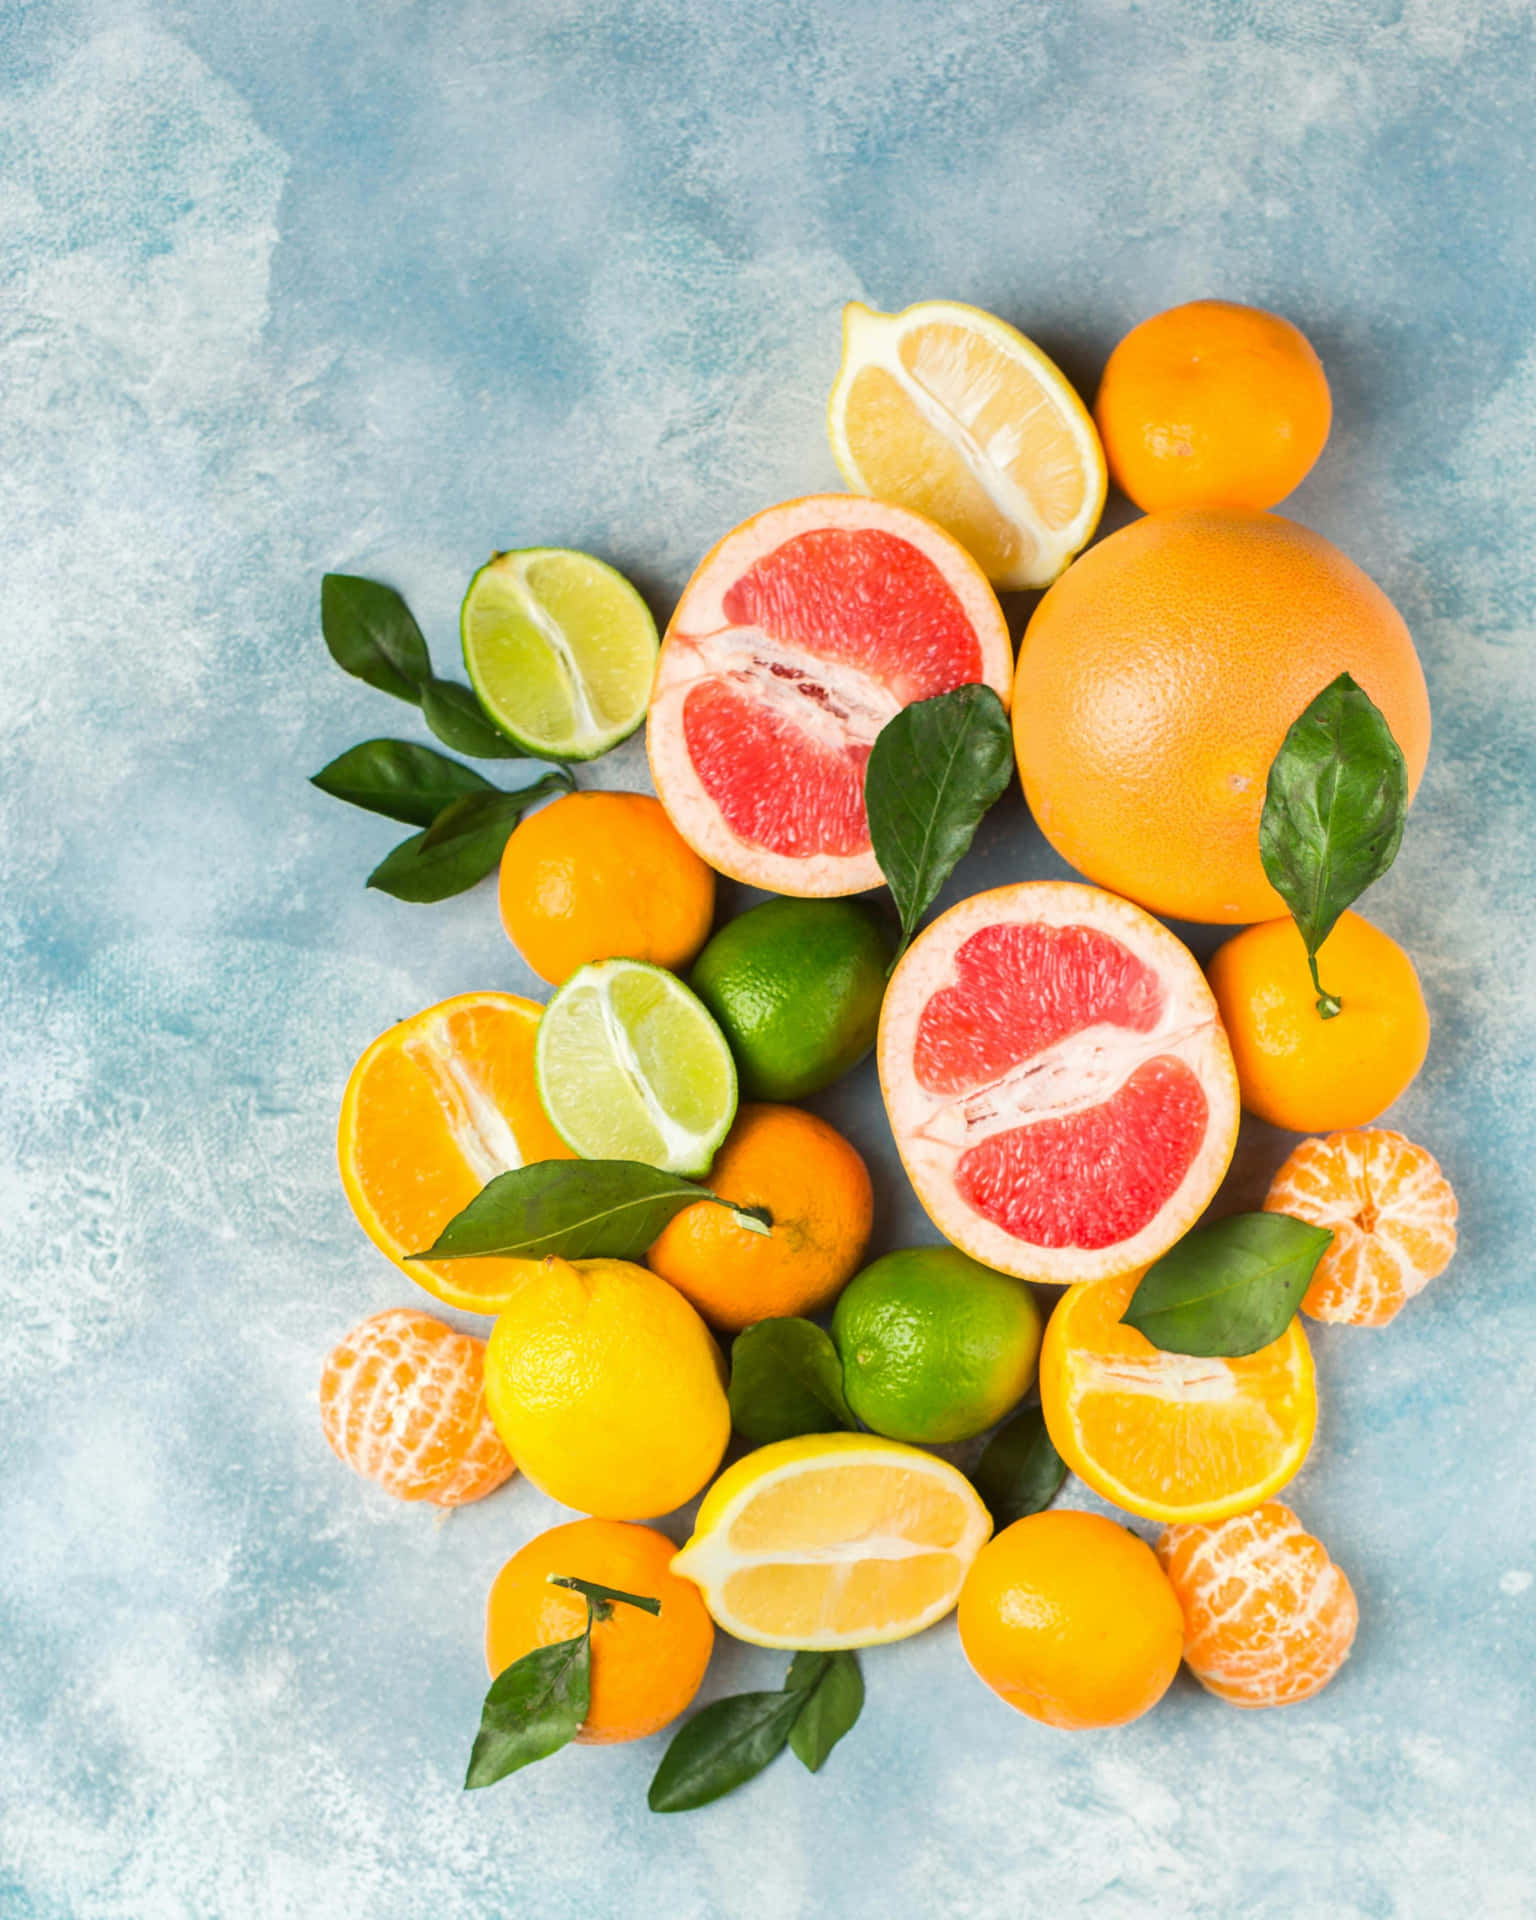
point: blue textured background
(379, 287)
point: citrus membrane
(630, 1066)
(560, 648)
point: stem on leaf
(600, 1599)
(1328, 1004)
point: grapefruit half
(800, 634)
(1057, 1080)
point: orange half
(1166, 1435)
(435, 1108)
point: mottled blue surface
(291, 286)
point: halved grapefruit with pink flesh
(798, 637)
(1058, 1081)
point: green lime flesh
(630, 1066)
(796, 986)
(560, 649)
(935, 1346)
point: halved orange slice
(435, 1108)
(1168, 1435)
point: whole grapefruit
(1157, 679)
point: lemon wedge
(952, 412)
(834, 1540)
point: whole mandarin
(1212, 404)
(603, 876)
(1296, 1069)
(646, 1667)
(1068, 1617)
(816, 1189)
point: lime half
(561, 650)
(630, 1066)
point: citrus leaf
(1228, 1288)
(1333, 814)
(398, 779)
(463, 844)
(459, 721)
(723, 1747)
(934, 771)
(372, 634)
(834, 1699)
(786, 1379)
(576, 1209)
(1019, 1472)
(533, 1708)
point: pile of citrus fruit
(1216, 716)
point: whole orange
(1159, 676)
(817, 1190)
(1212, 404)
(1069, 1618)
(603, 876)
(1296, 1069)
(645, 1667)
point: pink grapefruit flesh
(1057, 1080)
(798, 637)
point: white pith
(699, 631)
(872, 339)
(851, 710)
(587, 731)
(480, 1129)
(1079, 1072)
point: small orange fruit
(1212, 404)
(1268, 1618)
(402, 1402)
(603, 876)
(1296, 1069)
(1068, 1617)
(1392, 1215)
(646, 1668)
(817, 1189)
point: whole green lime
(934, 1345)
(796, 986)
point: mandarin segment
(402, 1402)
(1392, 1215)
(1269, 1619)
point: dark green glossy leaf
(457, 718)
(1333, 812)
(786, 1378)
(834, 1699)
(1019, 1471)
(533, 1708)
(372, 634)
(721, 1748)
(934, 771)
(398, 779)
(463, 844)
(577, 1209)
(1228, 1288)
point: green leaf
(578, 1209)
(721, 1748)
(1228, 1288)
(459, 721)
(398, 779)
(372, 634)
(1019, 1472)
(533, 1708)
(934, 771)
(786, 1378)
(1333, 813)
(463, 844)
(834, 1699)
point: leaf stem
(600, 1599)
(1328, 1004)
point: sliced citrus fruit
(800, 634)
(1167, 1435)
(561, 650)
(632, 1067)
(950, 411)
(834, 1540)
(1057, 1080)
(1392, 1214)
(435, 1108)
